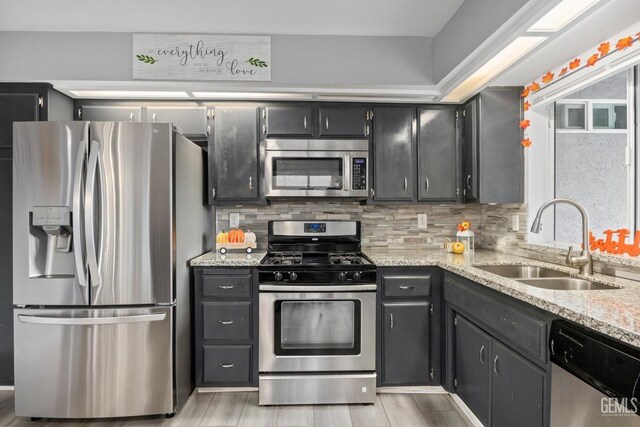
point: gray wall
(297, 60)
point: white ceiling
(313, 17)
(612, 17)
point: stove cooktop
(328, 260)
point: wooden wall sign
(201, 57)
(617, 245)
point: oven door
(317, 331)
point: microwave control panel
(359, 173)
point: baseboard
(465, 409)
(412, 389)
(6, 387)
(224, 389)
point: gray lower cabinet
(343, 121)
(438, 154)
(226, 325)
(288, 121)
(494, 157)
(472, 367)
(234, 156)
(408, 324)
(394, 154)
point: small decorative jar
(467, 237)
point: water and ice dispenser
(51, 251)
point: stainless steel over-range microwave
(316, 168)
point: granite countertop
(614, 312)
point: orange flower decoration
(547, 77)
(592, 60)
(574, 64)
(525, 123)
(563, 72)
(526, 105)
(525, 92)
(624, 43)
(604, 48)
(534, 86)
(526, 142)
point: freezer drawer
(93, 363)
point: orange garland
(604, 49)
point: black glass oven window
(317, 327)
(307, 173)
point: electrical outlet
(515, 222)
(422, 221)
(234, 220)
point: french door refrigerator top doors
(93, 220)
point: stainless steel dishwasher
(595, 380)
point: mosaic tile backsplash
(390, 226)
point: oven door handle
(367, 287)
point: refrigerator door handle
(89, 213)
(78, 237)
(85, 321)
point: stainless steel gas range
(317, 315)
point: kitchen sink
(566, 284)
(513, 271)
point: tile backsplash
(390, 226)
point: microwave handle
(347, 174)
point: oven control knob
(342, 276)
(293, 277)
(277, 276)
(357, 276)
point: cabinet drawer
(406, 286)
(227, 364)
(226, 286)
(521, 329)
(227, 320)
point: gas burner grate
(285, 258)
(346, 258)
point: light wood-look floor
(241, 409)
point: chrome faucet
(584, 262)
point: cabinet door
(6, 275)
(438, 154)
(470, 175)
(233, 155)
(16, 107)
(517, 390)
(405, 343)
(472, 364)
(343, 121)
(289, 121)
(394, 143)
(192, 121)
(108, 113)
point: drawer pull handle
(225, 322)
(405, 287)
(226, 365)
(226, 286)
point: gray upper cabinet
(233, 155)
(472, 367)
(470, 176)
(289, 120)
(16, 107)
(343, 122)
(438, 154)
(192, 121)
(109, 113)
(493, 155)
(394, 152)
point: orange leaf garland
(592, 60)
(526, 105)
(547, 77)
(624, 43)
(525, 123)
(563, 71)
(526, 142)
(574, 64)
(534, 86)
(525, 92)
(604, 48)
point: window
(592, 154)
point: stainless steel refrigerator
(105, 217)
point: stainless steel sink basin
(513, 271)
(566, 284)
